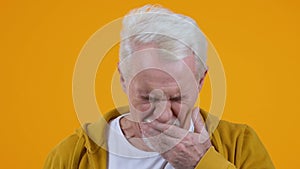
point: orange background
(258, 42)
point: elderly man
(162, 67)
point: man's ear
(202, 80)
(122, 80)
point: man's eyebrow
(143, 91)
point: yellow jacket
(234, 146)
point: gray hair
(172, 32)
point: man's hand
(181, 148)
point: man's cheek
(141, 111)
(177, 108)
(144, 106)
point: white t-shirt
(124, 155)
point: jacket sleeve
(253, 153)
(213, 160)
(249, 153)
(61, 157)
(54, 161)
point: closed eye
(176, 99)
(151, 99)
(145, 97)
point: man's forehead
(160, 65)
(153, 78)
(155, 73)
(167, 71)
(161, 60)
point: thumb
(199, 125)
(197, 120)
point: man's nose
(163, 111)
